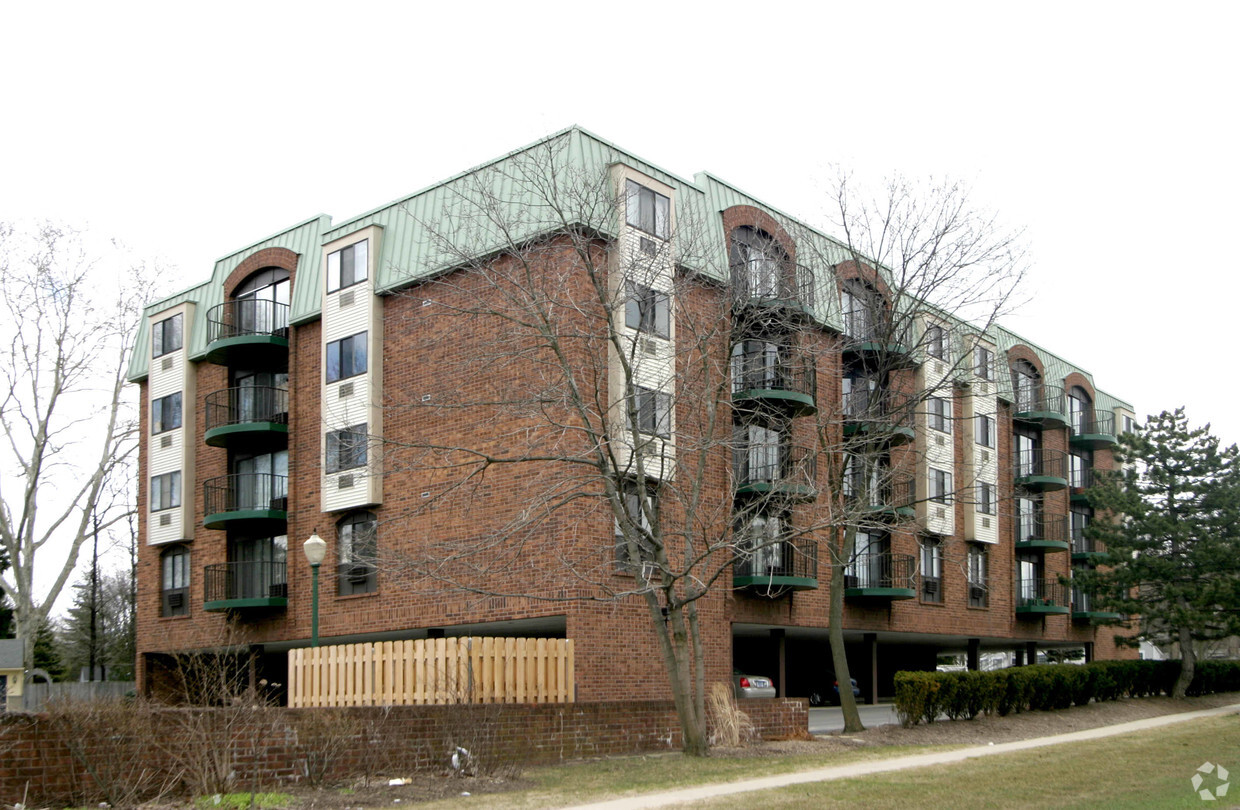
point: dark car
(831, 696)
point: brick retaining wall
(274, 744)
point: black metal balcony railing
(780, 466)
(246, 404)
(881, 570)
(773, 368)
(892, 492)
(1081, 479)
(1040, 400)
(867, 327)
(1091, 422)
(1041, 463)
(243, 492)
(1081, 544)
(773, 282)
(247, 316)
(1041, 593)
(227, 582)
(779, 559)
(1042, 528)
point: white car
(752, 686)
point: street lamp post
(316, 550)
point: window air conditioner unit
(930, 587)
(175, 600)
(279, 504)
(278, 589)
(977, 592)
(649, 347)
(359, 574)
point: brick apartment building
(390, 384)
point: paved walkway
(672, 797)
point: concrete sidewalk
(672, 797)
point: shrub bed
(923, 696)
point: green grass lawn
(1147, 769)
(578, 782)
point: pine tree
(1174, 557)
(47, 651)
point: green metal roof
(417, 228)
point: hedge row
(923, 696)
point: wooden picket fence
(467, 669)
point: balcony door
(259, 569)
(262, 302)
(263, 479)
(255, 399)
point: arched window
(862, 308)
(1080, 410)
(263, 301)
(174, 581)
(356, 539)
(1027, 385)
(757, 262)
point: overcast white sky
(1107, 130)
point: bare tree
(69, 429)
(598, 372)
(920, 275)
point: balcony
(780, 565)
(773, 286)
(1078, 482)
(1093, 429)
(776, 469)
(239, 585)
(253, 416)
(881, 575)
(1042, 404)
(1041, 470)
(891, 498)
(1084, 609)
(1086, 549)
(1042, 533)
(1039, 597)
(884, 416)
(248, 330)
(773, 377)
(257, 501)
(867, 339)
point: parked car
(821, 697)
(752, 686)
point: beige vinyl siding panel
(140, 359)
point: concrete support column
(973, 654)
(871, 651)
(779, 636)
(1020, 657)
(1031, 652)
(1089, 651)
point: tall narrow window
(984, 430)
(356, 539)
(174, 581)
(985, 498)
(346, 357)
(940, 486)
(166, 413)
(936, 342)
(647, 210)
(653, 410)
(931, 570)
(940, 412)
(1080, 410)
(347, 266)
(166, 336)
(978, 564)
(983, 362)
(1027, 386)
(165, 491)
(640, 517)
(646, 310)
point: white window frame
(358, 258)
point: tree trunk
(674, 643)
(835, 631)
(1188, 663)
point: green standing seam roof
(416, 226)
